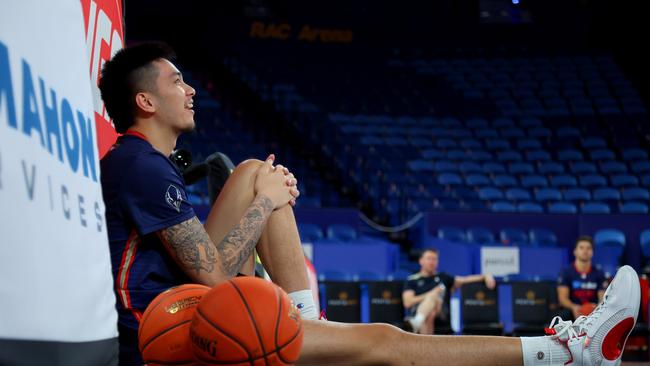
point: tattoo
(238, 245)
(194, 250)
(191, 244)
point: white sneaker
(599, 339)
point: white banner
(499, 261)
(55, 273)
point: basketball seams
(252, 318)
(220, 330)
(152, 306)
(163, 332)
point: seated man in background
(580, 283)
(426, 293)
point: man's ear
(144, 101)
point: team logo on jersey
(173, 197)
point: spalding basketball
(163, 335)
(246, 321)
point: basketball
(163, 335)
(587, 308)
(246, 321)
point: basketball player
(157, 241)
(426, 293)
(581, 283)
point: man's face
(429, 262)
(583, 251)
(173, 98)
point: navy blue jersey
(583, 286)
(144, 192)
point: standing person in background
(427, 293)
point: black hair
(129, 72)
(433, 250)
(586, 238)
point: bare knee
(382, 337)
(249, 165)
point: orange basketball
(163, 335)
(246, 321)
(587, 308)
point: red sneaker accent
(615, 340)
(549, 331)
(322, 315)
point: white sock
(417, 321)
(543, 351)
(304, 301)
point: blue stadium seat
(518, 194)
(445, 144)
(368, 276)
(502, 206)
(504, 180)
(420, 165)
(467, 167)
(583, 167)
(538, 155)
(309, 232)
(513, 236)
(567, 131)
(602, 154)
(533, 181)
(577, 194)
(521, 168)
(456, 155)
(594, 143)
(550, 168)
(645, 180)
(480, 235)
(494, 168)
(592, 181)
(606, 194)
(480, 155)
(530, 207)
(471, 144)
(452, 233)
(539, 132)
(490, 194)
(503, 122)
(641, 167)
(530, 122)
(542, 237)
(594, 207)
(636, 194)
(633, 207)
(445, 166)
(476, 123)
(433, 154)
(548, 195)
(634, 154)
(613, 167)
(562, 208)
(609, 237)
(569, 155)
(449, 179)
(509, 156)
(497, 144)
(341, 232)
(644, 238)
(486, 133)
(333, 275)
(624, 180)
(528, 144)
(477, 180)
(308, 202)
(563, 181)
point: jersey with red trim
(583, 286)
(144, 192)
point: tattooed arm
(207, 263)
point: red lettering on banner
(104, 37)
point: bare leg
(331, 343)
(279, 245)
(428, 309)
